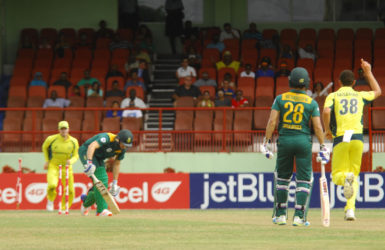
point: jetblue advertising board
(255, 190)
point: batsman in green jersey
(294, 110)
(92, 154)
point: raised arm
(367, 68)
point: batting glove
(323, 154)
(89, 168)
(266, 149)
(114, 191)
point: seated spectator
(38, 80)
(141, 66)
(194, 42)
(205, 81)
(87, 80)
(114, 113)
(216, 44)
(194, 59)
(95, 90)
(228, 62)
(84, 41)
(227, 90)
(286, 52)
(228, 33)
(228, 78)
(361, 78)
(114, 71)
(75, 91)
(265, 68)
(252, 32)
(135, 81)
(239, 100)
(189, 31)
(54, 101)
(272, 43)
(115, 91)
(185, 70)
(248, 72)
(318, 90)
(206, 101)
(63, 80)
(117, 43)
(132, 102)
(143, 34)
(44, 44)
(283, 70)
(221, 100)
(103, 31)
(308, 52)
(187, 89)
(61, 46)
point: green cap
(299, 78)
(125, 136)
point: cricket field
(188, 229)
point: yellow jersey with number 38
(347, 107)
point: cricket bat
(106, 195)
(324, 197)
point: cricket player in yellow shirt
(342, 115)
(60, 149)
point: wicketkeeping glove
(323, 154)
(114, 191)
(89, 168)
(266, 149)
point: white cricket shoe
(105, 212)
(298, 222)
(281, 220)
(348, 186)
(349, 215)
(49, 206)
(84, 210)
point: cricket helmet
(125, 136)
(299, 78)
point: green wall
(39, 14)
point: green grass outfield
(188, 229)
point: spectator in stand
(114, 113)
(44, 44)
(63, 81)
(265, 68)
(228, 62)
(221, 100)
(187, 89)
(189, 31)
(361, 78)
(114, 71)
(205, 81)
(252, 32)
(174, 21)
(38, 80)
(95, 90)
(143, 38)
(132, 102)
(115, 91)
(227, 90)
(206, 101)
(194, 42)
(283, 70)
(61, 46)
(318, 90)
(185, 70)
(84, 41)
(75, 91)
(216, 44)
(248, 72)
(239, 101)
(228, 79)
(135, 81)
(307, 52)
(142, 68)
(228, 33)
(117, 43)
(194, 59)
(54, 101)
(87, 80)
(286, 52)
(103, 31)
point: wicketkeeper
(294, 110)
(60, 149)
(92, 154)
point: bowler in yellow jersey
(60, 149)
(343, 120)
